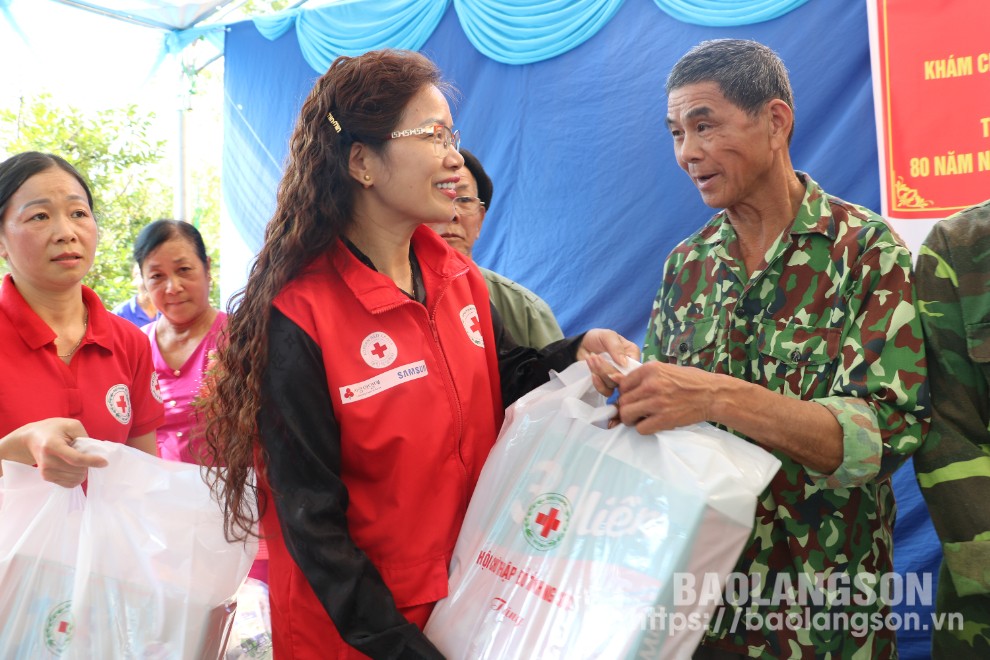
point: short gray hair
(748, 73)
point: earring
(367, 177)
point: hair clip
(336, 124)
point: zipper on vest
(448, 380)
(449, 383)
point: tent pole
(179, 205)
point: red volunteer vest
(415, 392)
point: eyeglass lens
(443, 138)
(467, 205)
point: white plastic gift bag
(251, 635)
(152, 575)
(577, 535)
(39, 540)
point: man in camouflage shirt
(788, 319)
(953, 466)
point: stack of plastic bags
(135, 567)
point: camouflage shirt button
(683, 347)
(795, 355)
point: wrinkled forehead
(49, 186)
(694, 100)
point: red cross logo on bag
(549, 522)
(58, 627)
(546, 521)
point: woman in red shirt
(68, 367)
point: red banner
(931, 77)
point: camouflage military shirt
(829, 316)
(953, 467)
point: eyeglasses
(443, 137)
(468, 205)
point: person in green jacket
(953, 466)
(526, 316)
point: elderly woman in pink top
(176, 271)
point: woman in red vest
(366, 374)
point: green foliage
(255, 7)
(206, 218)
(114, 150)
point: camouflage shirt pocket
(797, 360)
(691, 343)
(978, 342)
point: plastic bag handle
(93, 446)
(631, 364)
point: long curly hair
(359, 99)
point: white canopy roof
(162, 14)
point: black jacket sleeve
(302, 442)
(521, 368)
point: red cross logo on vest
(119, 403)
(472, 325)
(378, 350)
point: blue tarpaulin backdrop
(588, 199)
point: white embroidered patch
(156, 391)
(378, 350)
(472, 325)
(383, 381)
(119, 403)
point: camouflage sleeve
(953, 467)
(879, 392)
(651, 344)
